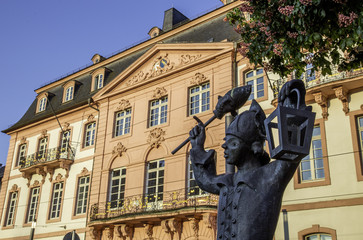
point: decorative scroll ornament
(124, 231)
(84, 172)
(210, 221)
(65, 126)
(95, 233)
(160, 65)
(322, 100)
(43, 133)
(40, 171)
(186, 58)
(149, 231)
(90, 118)
(22, 140)
(195, 226)
(173, 227)
(59, 177)
(198, 79)
(159, 92)
(342, 95)
(14, 188)
(107, 233)
(27, 176)
(36, 183)
(119, 149)
(123, 104)
(156, 137)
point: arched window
(89, 137)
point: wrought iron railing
(315, 79)
(47, 156)
(140, 204)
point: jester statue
(250, 198)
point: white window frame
(89, 136)
(13, 199)
(33, 204)
(69, 94)
(123, 122)
(98, 81)
(317, 236)
(42, 104)
(56, 203)
(21, 153)
(311, 165)
(255, 78)
(82, 195)
(118, 183)
(42, 148)
(157, 175)
(158, 111)
(64, 146)
(199, 98)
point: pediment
(161, 61)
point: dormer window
(69, 90)
(69, 93)
(99, 78)
(42, 104)
(98, 81)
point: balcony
(45, 162)
(140, 206)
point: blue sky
(41, 40)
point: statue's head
(246, 134)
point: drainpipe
(286, 224)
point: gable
(160, 61)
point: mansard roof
(213, 29)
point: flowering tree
(285, 35)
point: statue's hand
(197, 135)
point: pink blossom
(292, 34)
(345, 21)
(306, 2)
(287, 10)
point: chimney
(171, 18)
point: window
(21, 154)
(98, 81)
(312, 166)
(11, 209)
(255, 78)
(117, 190)
(64, 146)
(123, 122)
(56, 200)
(33, 204)
(69, 94)
(318, 236)
(155, 181)
(89, 139)
(42, 104)
(158, 111)
(360, 133)
(193, 188)
(42, 148)
(82, 195)
(199, 100)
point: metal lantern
(289, 129)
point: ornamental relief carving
(342, 95)
(160, 65)
(198, 79)
(322, 100)
(119, 149)
(123, 104)
(156, 137)
(159, 92)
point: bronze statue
(250, 199)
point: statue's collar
(248, 178)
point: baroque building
(93, 151)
